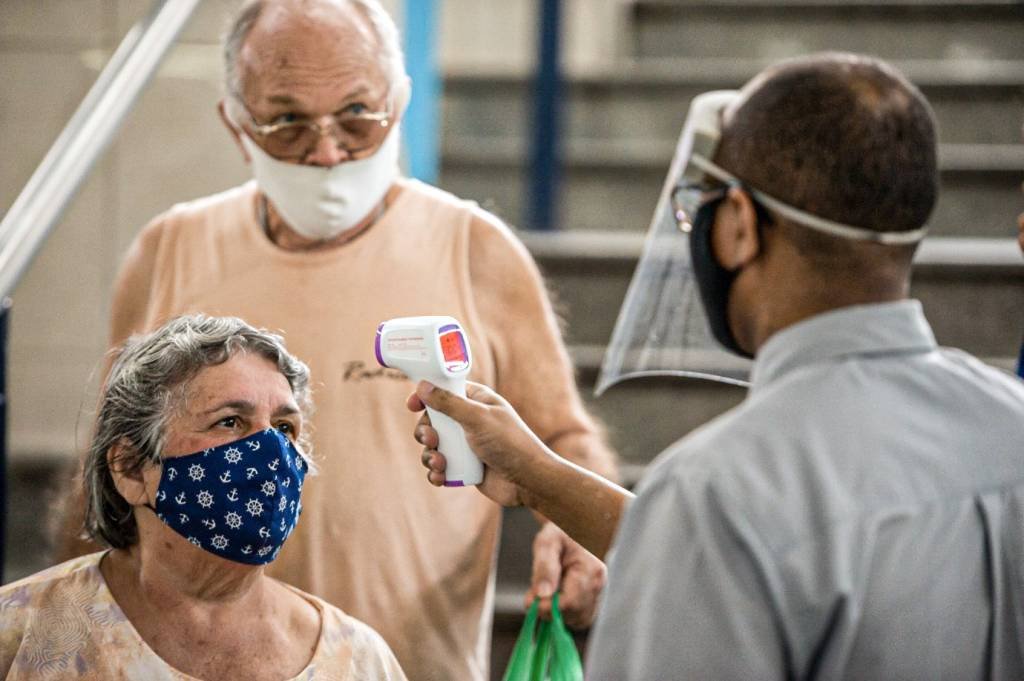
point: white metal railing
(55, 182)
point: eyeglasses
(688, 197)
(292, 138)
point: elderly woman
(193, 479)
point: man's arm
(535, 374)
(519, 469)
(534, 371)
(690, 590)
(127, 316)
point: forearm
(584, 504)
(588, 449)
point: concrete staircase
(621, 125)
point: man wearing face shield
(326, 243)
(861, 514)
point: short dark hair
(842, 136)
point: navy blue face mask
(239, 501)
(714, 282)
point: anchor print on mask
(239, 501)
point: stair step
(680, 71)
(972, 289)
(620, 196)
(772, 30)
(982, 255)
(656, 154)
(975, 102)
(972, 6)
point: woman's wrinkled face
(227, 402)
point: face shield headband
(663, 328)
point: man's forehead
(322, 35)
(311, 61)
(333, 15)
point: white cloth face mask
(321, 203)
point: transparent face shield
(662, 329)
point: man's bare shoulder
(201, 211)
(493, 239)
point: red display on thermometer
(453, 348)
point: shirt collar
(855, 330)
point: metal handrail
(55, 182)
(5, 306)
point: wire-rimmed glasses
(292, 138)
(687, 198)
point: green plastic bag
(545, 651)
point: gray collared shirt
(859, 516)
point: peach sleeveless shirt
(414, 562)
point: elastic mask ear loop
(714, 282)
(160, 460)
(761, 213)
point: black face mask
(714, 282)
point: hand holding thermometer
(435, 349)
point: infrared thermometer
(435, 349)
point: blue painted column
(420, 125)
(545, 155)
(5, 306)
(1020, 362)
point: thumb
(448, 403)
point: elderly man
(325, 244)
(861, 514)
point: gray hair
(147, 382)
(241, 25)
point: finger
(576, 598)
(543, 604)
(574, 586)
(414, 403)
(457, 407)
(484, 395)
(434, 460)
(435, 464)
(547, 567)
(426, 435)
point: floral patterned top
(64, 623)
